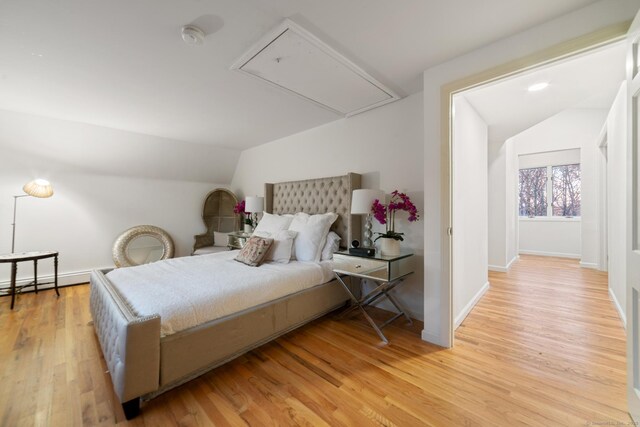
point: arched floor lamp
(40, 188)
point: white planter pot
(389, 247)
(248, 229)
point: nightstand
(387, 272)
(237, 239)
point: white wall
(511, 203)
(595, 16)
(105, 181)
(384, 145)
(570, 129)
(496, 174)
(470, 209)
(550, 237)
(502, 244)
(503, 238)
(617, 199)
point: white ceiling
(122, 63)
(587, 81)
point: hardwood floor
(544, 347)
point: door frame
(588, 42)
(632, 221)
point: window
(564, 187)
(533, 192)
(566, 190)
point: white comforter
(189, 291)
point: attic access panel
(294, 60)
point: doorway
(451, 248)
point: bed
(144, 362)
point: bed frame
(142, 364)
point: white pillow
(312, 234)
(220, 239)
(273, 223)
(331, 246)
(282, 246)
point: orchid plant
(386, 215)
(239, 209)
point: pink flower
(379, 211)
(239, 208)
(399, 202)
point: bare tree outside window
(533, 192)
(566, 190)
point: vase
(389, 247)
(248, 229)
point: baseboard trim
(431, 338)
(554, 254)
(64, 279)
(589, 265)
(618, 307)
(502, 269)
(467, 308)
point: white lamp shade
(361, 200)
(253, 204)
(38, 188)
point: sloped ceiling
(588, 81)
(122, 64)
(48, 147)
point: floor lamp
(40, 188)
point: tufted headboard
(317, 196)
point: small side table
(387, 271)
(237, 239)
(15, 258)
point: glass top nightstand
(377, 267)
(387, 271)
(237, 239)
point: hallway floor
(551, 327)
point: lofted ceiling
(122, 64)
(591, 80)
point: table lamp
(361, 201)
(254, 204)
(40, 188)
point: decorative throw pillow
(331, 246)
(312, 234)
(273, 223)
(220, 239)
(254, 251)
(282, 245)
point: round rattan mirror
(141, 245)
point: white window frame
(550, 217)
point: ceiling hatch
(293, 59)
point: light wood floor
(544, 347)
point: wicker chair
(218, 215)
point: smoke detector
(192, 35)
